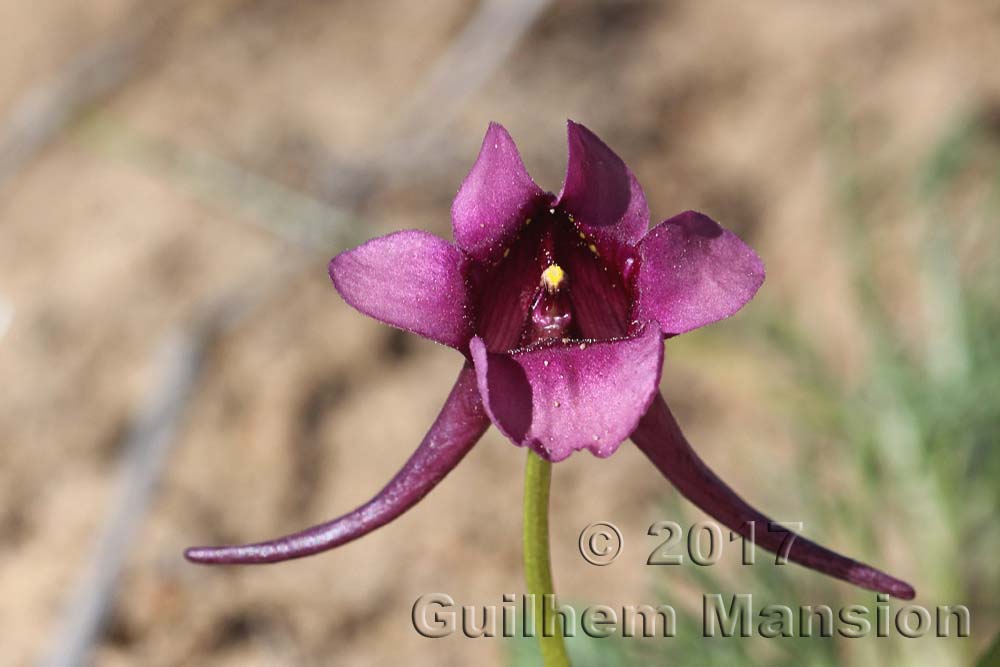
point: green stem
(537, 568)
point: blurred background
(176, 368)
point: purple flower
(560, 304)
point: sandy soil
(132, 220)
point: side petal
(564, 398)
(495, 198)
(410, 279)
(693, 272)
(661, 440)
(600, 192)
(459, 426)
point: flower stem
(537, 568)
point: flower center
(550, 313)
(553, 282)
(552, 277)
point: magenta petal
(597, 288)
(567, 397)
(693, 272)
(412, 280)
(459, 426)
(600, 192)
(495, 198)
(506, 291)
(661, 439)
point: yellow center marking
(552, 277)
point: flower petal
(600, 192)
(459, 426)
(597, 288)
(410, 279)
(660, 438)
(564, 398)
(693, 272)
(495, 198)
(505, 291)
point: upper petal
(564, 398)
(505, 291)
(598, 289)
(693, 272)
(410, 279)
(600, 192)
(495, 197)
